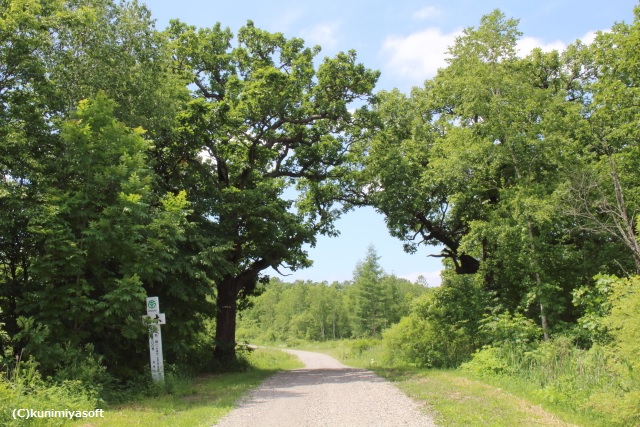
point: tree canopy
(183, 163)
(497, 160)
(263, 120)
(142, 162)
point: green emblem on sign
(151, 304)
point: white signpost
(155, 319)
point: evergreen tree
(371, 301)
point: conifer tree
(371, 301)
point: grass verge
(458, 399)
(198, 402)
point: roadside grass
(198, 402)
(458, 399)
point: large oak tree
(265, 120)
(477, 162)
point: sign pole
(154, 318)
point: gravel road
(326, 393)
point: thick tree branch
(205, 91)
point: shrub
(505, 330)
(619, 408)
(85, 366)
(487, 362)
(25, 388)
(586, 381)
(427, 343)
(623, 321)
(620, 399)
(361, 345)
(441, 330)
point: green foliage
(86, 232)
(358, 346)
(263, 119)
(6, 352)
(299, 311)
(560, 373)
(603, 194)
(623, 322)
(441, 330)
(136, 162)
(595, 304)
(601, 381)
(97, 199)
(620, 401)
(101, 232)
(508, 330)
(511, 166)
(371, 299)
(472, 161)
(410, 341)
(25, 388)
(487, 362)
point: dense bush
(602, 380)
(23, 387)
(508, 330)
(441, 330)
(426, 343)
(620, 400)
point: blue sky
(406, 41)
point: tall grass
(587, 382)
(23, 387)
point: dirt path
(326, 393)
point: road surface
(326, 393)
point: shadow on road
(336, 376)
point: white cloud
(589, 37)
(527, 44)
(419, 55)
(325, 35)
(426, 13)
(433, 277)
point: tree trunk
(226, 304)
(230, 288)
(623, 221)
(545, 323)
(467, 264)
(543, 313)
(334, 325)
